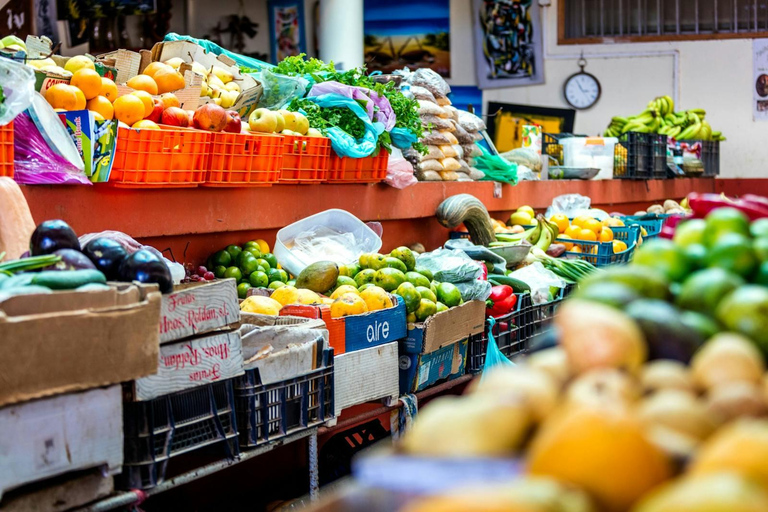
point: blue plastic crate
(601, 254)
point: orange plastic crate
(372, 169)
(244, 160)
(6, 150)
(305, 159)
(169, 157)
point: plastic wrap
(454, 266)
(323, 243)
(402, 138)
(399, 171)
(17, 82)
(421, 93)
(541, 281)
(425, 77)
(571, 205)
(438, 123)
(494, 358)
(471, 122)
(279, 90)
(384, 114)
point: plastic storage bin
(6, 150)
(244, 160)
(331, 222)
(305, 159)
(372, 169)
(169, 157)
(601, 254)
(270, 412)
(590, 152)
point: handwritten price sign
(198, 309)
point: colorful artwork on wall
(286, 29)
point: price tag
(496, 190)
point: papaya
(319, 277)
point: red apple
(234, 124)
(157, 112)
(175, 116)
(210, 117)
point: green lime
(251, 244)
(405, 255)
(365, 276)
(416, 279)
(426, 273)
(221, 258)
(234, 272)
(663, 255)
(261, 269)
(365, 286)
(219, 271)
(342, 280)
(271, 259)
(389, 278)
(253, 250)
(233, 251)
(697, 255)
(441, 307)
(759, 228)
(690, 232)
(448, 294)
(733, 252)
(410, 296)
(248, 265)
(274, 285)
(391, 262)
(242, 290)
(276, 274)
(258, 279)
(724, 221)
(760, 245)
(703, 290)
(263, 264)
(426, 309)
(426, 293)
(243, 256)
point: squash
(16, 223)
(469, 210)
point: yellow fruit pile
(587, 229)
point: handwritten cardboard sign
(198, 308)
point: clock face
(582, 90)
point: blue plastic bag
(402, 138)
(343, 143)
(240, 60)
(493, 356)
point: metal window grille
(638, 18)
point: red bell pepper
(501, 301)
(702, 204)
(484, 274)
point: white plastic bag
(541, 280)
(18, 86)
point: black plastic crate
(171, 425)
(270, 412)
(710, 157)
(658, 156)
(514, 331)
(632, 157)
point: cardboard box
(45, 438)
(95, 140)
(357, 332)
(197, 308)
(68, 341)
(190, 363)
(437, 348)
(282, 347)
(365, 375)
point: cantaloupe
(16, 223)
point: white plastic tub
(590, 152)
(331, 221)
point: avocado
(319, 277)
(666, 335)
(612, 294)
(704, 289)
(645, 281)
(746, 311)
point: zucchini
(68, 279)
(24, 279)
(517, 285)
(469, 210)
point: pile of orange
(586, 229)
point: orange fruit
(142, 83)
(593, 225)
(88, 81)
(572, 232)
(79, 62)
(108, 89)
(169, 99)
(579, 221)
(65, 96)
(146, 98)
(576, 248)
(154, 67)
(562, 241)
(129, 109)
(587, 235)
(101, 106)
(168, 80)
(619, 246)
(606, 235)
(561, 221)
(145, 124)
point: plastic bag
(496, 168)
(449, 175)
(421, 93)
(17, 86)
(463, 176)
(494, 357)
(425, 77)
(471, 122)
(279, 90)
(448, 152)
(435, 138)
(459, 151)
(453, 112)
(451, 137)
(431, 165)
(434, 153)
(524, 156)
(343, 143)
(541, 280)
(571, 205)
(454, 266)
(427, 108)
(450, 164)
(402, 138)
(324, 243)
(438, 123)
(462, 135)
(240, 60)
(427, 175)
(526, 174)
(399, 171)
(371, 99)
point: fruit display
(251, 265)
(660, 117)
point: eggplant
(52, 235)
(145, 267)
(107, 255)
(71, 260)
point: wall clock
(582, 90)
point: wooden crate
(198, 308)
(366, 375)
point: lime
(410, 296)
(243, 256)
(410, 318)
(342, 280)
(276, 274)
(274, 285)
(448, 294)
(248, 265)
(389, 278)
(264, 264)
(365, 276)
(253, 250)
(271, 259)
(251, 244)
(703, 290)
(746, 311)
(221, 258)
(258, 279)
(697, 255)
(365, 287)
(663, 255)
(405, 255)
(233, 272)
(760, 245)
(441, 307)
(690, 232)
(733, 252)
(395, 263)
(233, 251)
(762, 274)
(759, 228)
(426, 293)
(219, 271)
(426, 309)
(242, 290)
(261, 269)
(416, 279)
(723, 221)
(426, 273)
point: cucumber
(68, 279)
(24, 279)
(517, 285)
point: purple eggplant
(107, 255)
(52, 235)
(145, 267)
(71, 260)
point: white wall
(714, 75)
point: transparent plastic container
(330, 223)
(590, 153)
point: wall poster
(760, 90)
(286, 29)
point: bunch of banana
(663, 105)
(542, 235)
